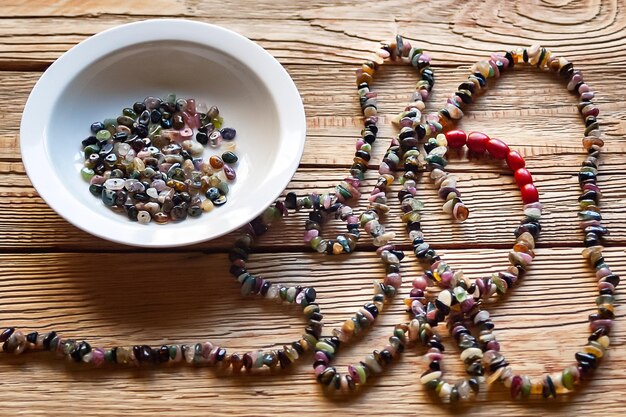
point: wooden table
(55, 276)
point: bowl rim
(53, 82)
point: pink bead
(352, 219)
(394, 279)
(588, 95)
(186, 133)
(602, 272)
(381, 249)
(384, 168)
(321, 356)
(606, 323)
(97, 356)
(446, 278)
(354, 374)
(310, 234)
(467, 305)
(493, 345)
(359, 143)
(319, 369)
(417, 308)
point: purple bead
(228, 133)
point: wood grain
(54, 276)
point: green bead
(103, 135)
(108, 355)
(436, 159)
(87, 173)
(171, 98)
(172, 351)
(344, 192)
(217, 122)
(91, 149)
(283, 293)
(229, 157)
(315, 242)
(129, 112)
(568, 379)
(108, 197)
(155, 130)
(366, 147)
(361, 373)
(325, 347)
(223, 187)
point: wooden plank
(27, 222)
(514, 108)
(336, 33)
(124, 301)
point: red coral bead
(523, 177)
(515, 161)
(497, 148)
(456, 138)
(477, 142)
(529, 194)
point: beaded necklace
(459, 301)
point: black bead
(46, 340)
(298, 347)
(475, 368)
(32, 337)
(155, 116)
(91, 140)
(436, 344)
(143, 353)
(202, 138)
(291, 201)
(140, 130)
(162, 355)
(612, 279)
(372, 309)
(586, 360)
(80, 350)
(4, 336)
(567, 70)
(310, 294)
(283, 360)
(327, 375)
(265, 288)
(139, 107)
(166, 123)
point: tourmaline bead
(529, 194)
(497, 149)
(477, 142)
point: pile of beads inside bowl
(147, 163)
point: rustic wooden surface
(55, 276)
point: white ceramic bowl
(113, 69)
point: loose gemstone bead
(229, 157)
